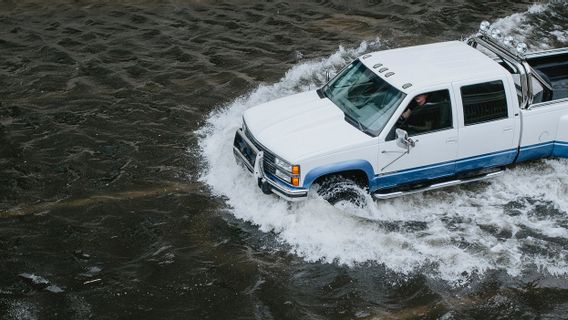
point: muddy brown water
(100, 102)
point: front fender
(351, 165)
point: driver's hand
(404, 117)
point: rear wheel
(335, 189)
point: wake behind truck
(412, 119)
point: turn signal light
(295, 169)
(295, 181)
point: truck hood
(302, 125)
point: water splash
(515, 223)
(541, 26)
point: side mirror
(403, 140)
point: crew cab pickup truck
(412, 119)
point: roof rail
(514, 57)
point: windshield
(367, 100)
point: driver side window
(427, 112)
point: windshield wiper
(359, 124)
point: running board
(384, 196)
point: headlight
(283, 164)
(287, 172)
(282, 175)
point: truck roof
(431, 64)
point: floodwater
(120, 198)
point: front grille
(269, 162)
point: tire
(335, 189)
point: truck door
(488, 126)
(433, 128)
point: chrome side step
(384, 196)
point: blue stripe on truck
(442, 169)
(560, 149)
(390, 180)
(489, 160)
(542, 150)
(535, 151)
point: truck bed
(554, 69)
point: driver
(419, 101)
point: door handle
(508, 129)
(451, 140)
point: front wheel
(335, 189)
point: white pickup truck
(412, 119)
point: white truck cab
(412, 119)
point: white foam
(526, 27)
(561, 36)
(448, 234)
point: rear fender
(561, 143)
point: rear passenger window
(484, 102)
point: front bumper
(253, 159)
